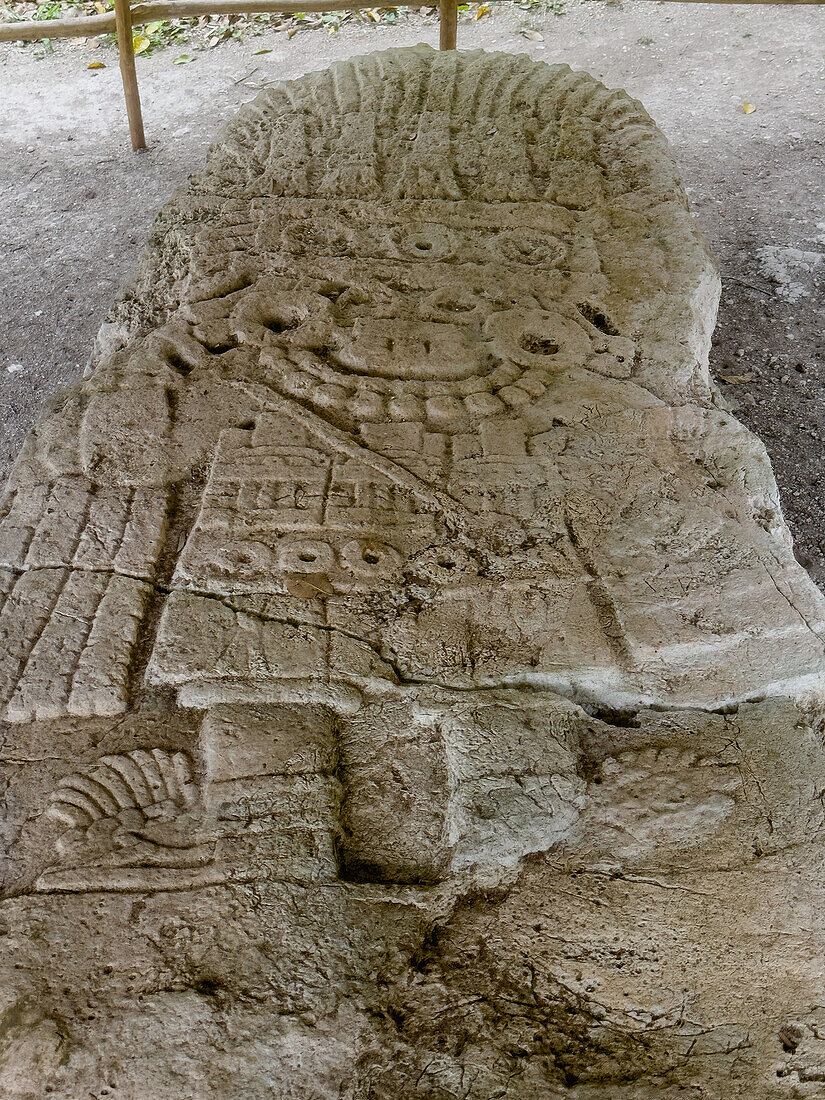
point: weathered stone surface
(408, 688)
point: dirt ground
(76, 203)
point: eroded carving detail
(396, 634)
(141, 783)
(135, 821)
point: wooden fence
(126, 15)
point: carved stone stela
(407, 688)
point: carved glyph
(406, 683)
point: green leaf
(182, 59)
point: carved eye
(423, 242)
(370, 558)
(278, 313)
(538, 338)
(307, 556)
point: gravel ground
(76, 203)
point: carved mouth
(426, 351)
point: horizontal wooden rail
(86, 25)
(152, 10)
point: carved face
(452, 473)
(429, 403)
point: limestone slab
(407, 686)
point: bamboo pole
(448, 11)
(148, 12)
(59, 28)
(125, 49)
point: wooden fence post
(449, 24)
(123, 15)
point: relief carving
(134, 821)
(406, 683)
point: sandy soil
(76, 203)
